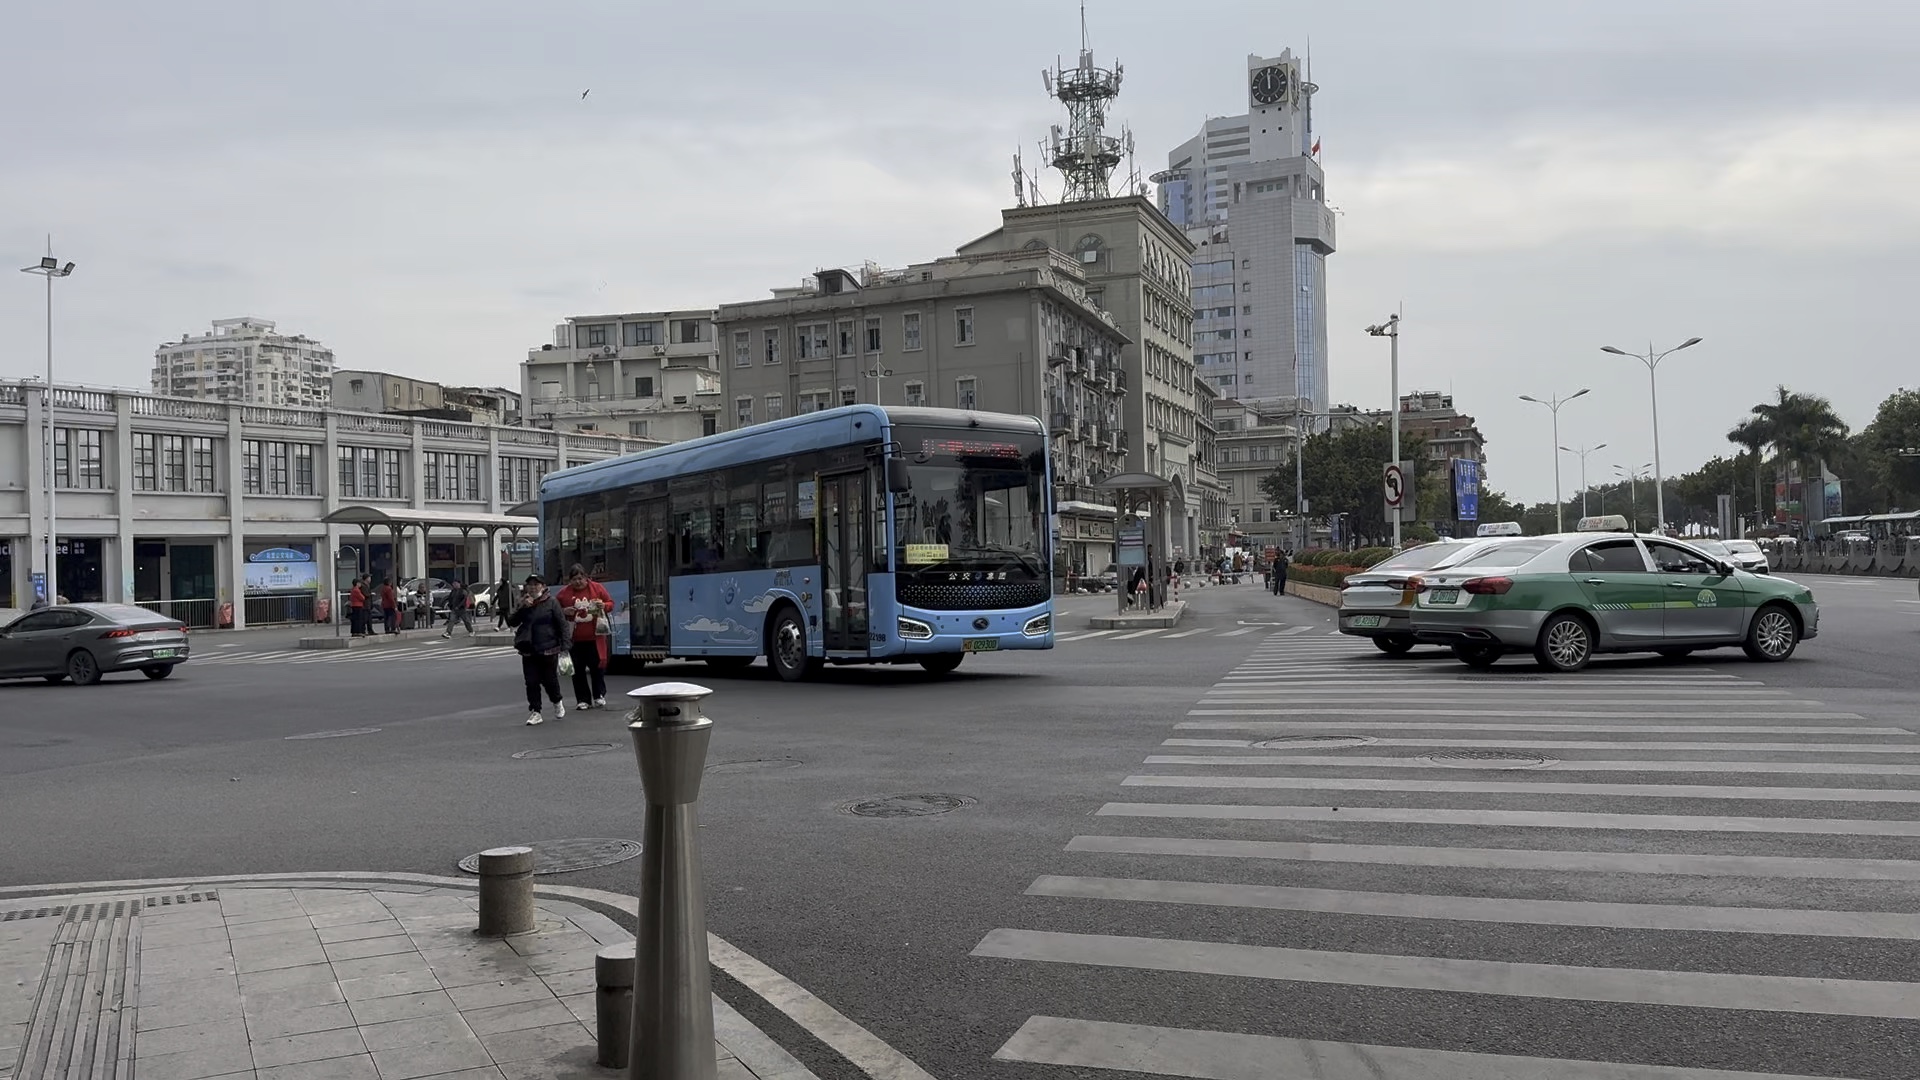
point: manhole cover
(890, 806)
(1488, 759)
(569, 750)
(339, 734)
(563, 856)
(1320, 742)
(752, 765)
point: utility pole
(50, 268)
(1391, 331)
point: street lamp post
(1632, 477)
(50, 268)
(1652, 360)
(1583, 452)
(1391, 331)
(1553, 405)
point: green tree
(1804, 430)
(1895, 479)
(1752, 436)
(1342, 476)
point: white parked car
(1747, 555)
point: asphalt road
(1105, 899)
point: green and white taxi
(1566, 597)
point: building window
(430, 470)
(849, 396)
(77, 458)
(814, 342)
(687, 331)
(709, 424)
(843, 337)
(810, 401)
(873, 334)
(348, 486)
(596, 335)
(640, 333)
(742, 348)
(963, 326)
(390, 486)
(910, 327)
(637, 428)
(250, 467)
(173, 462)
(643, 386)
(369, 473)
(916, 393)
(743, 411)
(277, 467)
(303, 469)
(964, 392)
(776, 406)
(773, 346)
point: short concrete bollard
(506, 891)
(613, 1003)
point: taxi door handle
(1678, 585)
(1596, 581)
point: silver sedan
(82, 642)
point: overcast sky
(421, 186)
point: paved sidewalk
(309, 983)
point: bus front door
(652, 545)
(845, 535)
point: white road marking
(1601, 862)
(1141, 633)
(1510, 787)
(1242, 630)
(1296, 630)
(1577, 714)
(1518, 819)
(1795, 921)
(1085, 636)
(1695, 989)
(1226, 1055)
(1357, 761)
(1607, 744)
(1187, 633)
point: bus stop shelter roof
(405, 517)
(1137, 481)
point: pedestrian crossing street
(1174, 633)
(432, 652)
(1344, 854)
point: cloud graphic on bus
(759, 604)
(722, 633)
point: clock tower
(1278, 107)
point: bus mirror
(899, 482)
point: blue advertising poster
(1466, 489)
(280, 570)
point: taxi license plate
(1446, 596)
(981, 644)
(165, 654)
(1366, 622)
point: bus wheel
(942, 663)
(787, 647)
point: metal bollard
(613, 1003)
(506, 891)
(672, 1036)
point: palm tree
(1803, 429)
(1751, 435)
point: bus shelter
(1140, 533)
(395, 521)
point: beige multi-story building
(245, 361)
(1000, 331)
(651, 375)
(1430, 415)
(382, 392)
(1138, 266)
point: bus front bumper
(923, 633)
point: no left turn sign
(1395, 485)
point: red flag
(1316, 147)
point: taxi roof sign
(1603, 523)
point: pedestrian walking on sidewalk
(390, 607)
(503, 602)
(589, 605)
(459, 608)
(540, 634)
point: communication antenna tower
(1019, 180)
(1083, 152)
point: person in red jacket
(390, 607)
(588, 604)
(357, 608)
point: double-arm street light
(1553, 405)
(1652, 360)
(1391, 331)
(1583, 452)
(50, 268)
(1633, 478)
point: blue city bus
(858, 535)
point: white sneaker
(559, 711)
(533, 718)
(599, 703)
(582, 706)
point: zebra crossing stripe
(1140, 633)
(1187, 633)
(1617, 916)
(1083, 637)
(1242, 630)
(1507, 787)
(1354, 761)
(1224, 1055)
(1517, 819)
(1572, 714)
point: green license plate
(1366, 622)
(1446, 596)
(165, 654)
(981, 644)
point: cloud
(704, 625)
(759, 604)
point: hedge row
(1364, 557)
(1330, 576)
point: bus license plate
(1366, 622)
(1446, 596)
(981, 644)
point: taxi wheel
(1477, 656)
(1773, 634)
(1566, 643)
(1394, 644)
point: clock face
(1269, 85)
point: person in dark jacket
(541, 632)
(1279, 582)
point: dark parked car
(85, 641)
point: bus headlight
(1038, 625)
(915, 630)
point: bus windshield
(978, 502)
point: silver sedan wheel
(1568, 644)
(1773, 634)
